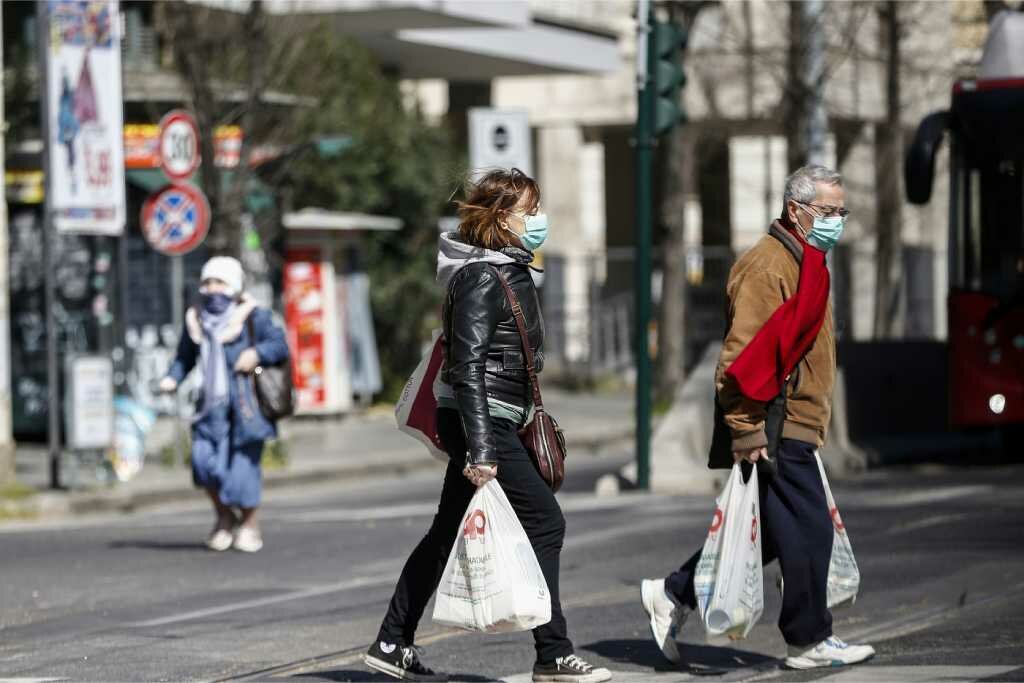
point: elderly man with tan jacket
(774, 391)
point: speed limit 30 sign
(179, 145)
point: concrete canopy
(480, 54)
(321, 220)
(357, 17)
(455, 40)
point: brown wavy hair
(488, 202)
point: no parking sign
(175, 220)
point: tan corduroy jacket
(759, 282)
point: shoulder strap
(251, 327)
(517, 313)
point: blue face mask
(536, 231)
(216, 303)
(825, 231)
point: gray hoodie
(452, 255)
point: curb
(52, 505)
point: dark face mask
(216, 303)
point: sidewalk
(351, 447)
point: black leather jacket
(483, 352)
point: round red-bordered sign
(175, 219)
(179, 145)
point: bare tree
(678, 179)
(198, 34)
(889, 149)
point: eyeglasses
(828, 211)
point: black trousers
(537, 509)
(797, 530)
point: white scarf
(213, 360)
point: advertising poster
(305, 311)
(86, 154)
(90, 402)
(142, 146)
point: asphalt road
(137, 598)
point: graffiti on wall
(145, 359)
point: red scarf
(761, 369)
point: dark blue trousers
(795, 529)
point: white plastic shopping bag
(729, 580)
(492, 581)
(843, 574)
(416, 408)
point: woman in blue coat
(228, 336)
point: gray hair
(800, 185)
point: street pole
(178, 316)
(642, 265)
(52, 372)
(7, 464)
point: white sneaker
(219, 540)
(830, 652)
(667, 616)
(247, 540)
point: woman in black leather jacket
(484, 400)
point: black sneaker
(401, 662)
(570, 669)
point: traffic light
(669, 77)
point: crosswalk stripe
(917, 674)
(859, 674)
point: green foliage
(178, 451)
(399, 165)
(275, 455)
(15, 491)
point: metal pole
(817, 122)
(52, 371)
(642, 266)
(178, 316)
(7, 464)
(177, 287)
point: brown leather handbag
(542, 437)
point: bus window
(991, 238)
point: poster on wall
(305, 311)
(82, 48)
(89, 402)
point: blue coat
(247, 423)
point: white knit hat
(226, 269)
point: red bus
(985, 128)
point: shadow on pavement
(356, 676)
(710, 659)
(156, 545)
(697, 659)
(640, 651)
